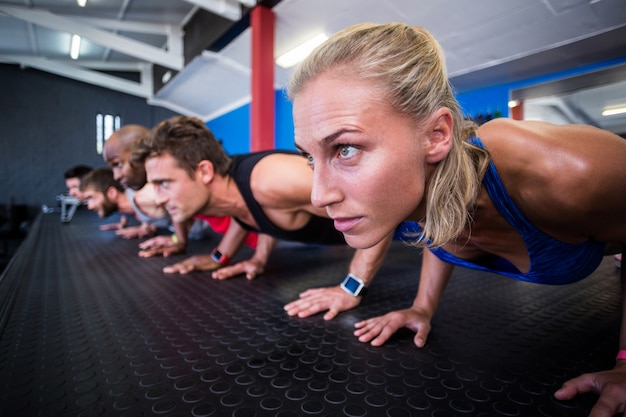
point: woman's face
(369, 162)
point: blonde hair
(407, 63)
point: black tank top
(319, 230)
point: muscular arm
(228, 246)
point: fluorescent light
(613, 111)
(75, 46)
(81, 3)
(297, 54)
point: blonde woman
(375, 115)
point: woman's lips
(344, 224)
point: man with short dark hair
(72, 179)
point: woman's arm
(434, 278)
(364, 265)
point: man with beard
(106, 196)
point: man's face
(182, 196)
(99, 202)
(118, 158)
(73, 188)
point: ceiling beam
(228, 9)
(142, 89)
(172, 58)
(126, 25)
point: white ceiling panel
(193, 90)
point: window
(106, 124)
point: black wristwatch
(354, 286)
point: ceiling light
(75, 46)
(613, 111)
(297, 54)
(81, 3)
(513, 103)
(166, 77)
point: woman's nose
(323, 191)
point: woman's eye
(347, 151)
(309, 159)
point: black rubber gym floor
(89, 329)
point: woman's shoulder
(567, 171)
(506, 133)
(519, 150)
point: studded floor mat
(87, 328)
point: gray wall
(47, 124)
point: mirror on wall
(597, 99)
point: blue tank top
(551, 261)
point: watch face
(352, 285)
(217, 256)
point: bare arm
(253, 266)
(228, 246)
(365, 263)
(433, 281)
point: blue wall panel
(233, 128)
(485, 100)
(284, 122)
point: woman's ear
(205, 171)
(440, 135)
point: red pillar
(262, 106)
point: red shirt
(220, 225)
